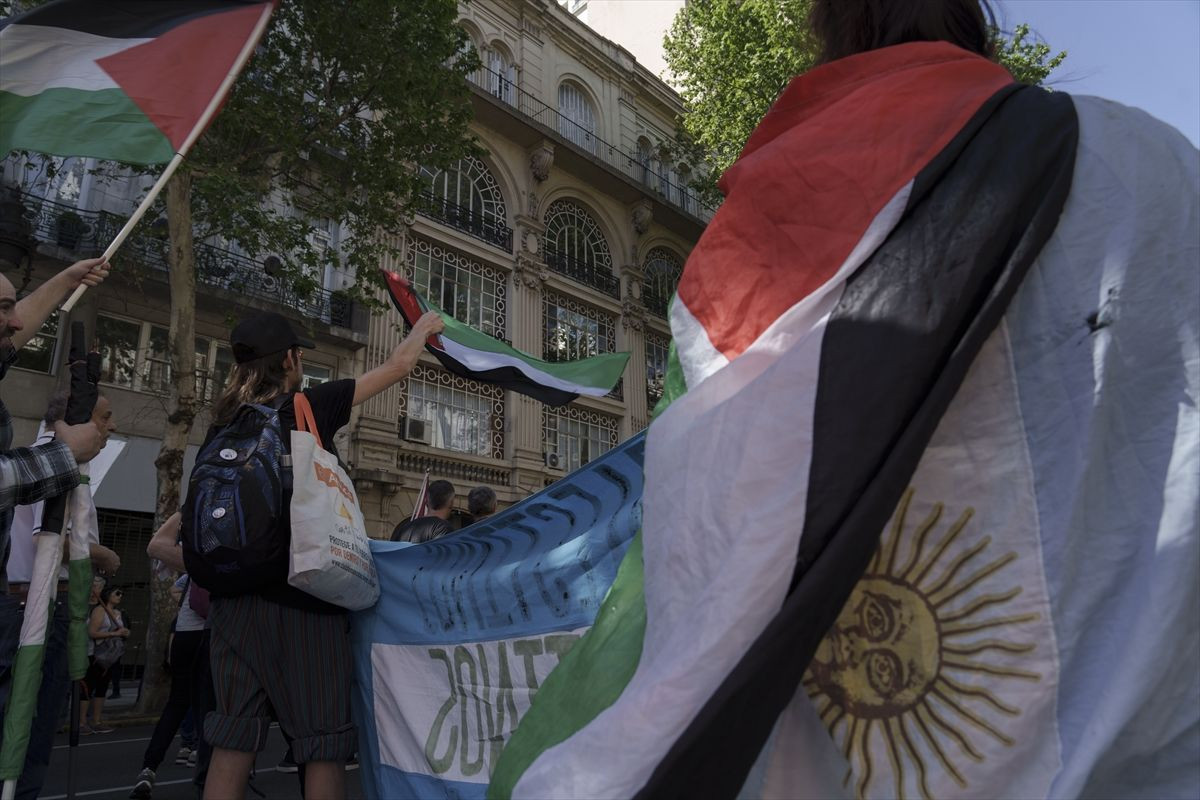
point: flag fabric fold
(473, 354)
(933, 427)
(126, 80)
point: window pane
(117, 340)
(38, 353)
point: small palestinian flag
(127, 80)
(473, 354)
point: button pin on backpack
(218, 513)
(228, 454)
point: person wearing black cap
(280, 648)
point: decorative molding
(541, 159)
(530, 270)
(641, 214)
(633, 316)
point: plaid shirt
(29, 474)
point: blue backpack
(234, 530)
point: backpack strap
(304, 417)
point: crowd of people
(238, 660)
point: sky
(1143, 53)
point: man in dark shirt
(280, 649)
(437, 523)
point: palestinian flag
(924, 522)
(127, 80)
(473, 354)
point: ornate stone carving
(642, 214)
(541, 158)
(633, 316)
(530, 271)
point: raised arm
(401, 361)
(38, 305)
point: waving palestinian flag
(473, 354)
(126, 80)
(924, 523)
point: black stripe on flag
(896, 350)
(122, 19)
(507, 378)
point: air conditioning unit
(415, 430)
(552, 461)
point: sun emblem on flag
(911, 668)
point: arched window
(501, 75)
(576, 117)
(576, 247)
(662, 270)
(645, 157)
(466, 196)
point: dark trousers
(52, 696)
(185, 657)
(204, 702)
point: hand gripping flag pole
(210, 111)
(75, 505)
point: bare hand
(104, 560)
(429, 324)
(84, 440)
(90, 272)
(123, 633)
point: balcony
(91, 231)
(655, 301)
(599, 278)
(651, 181)
(467, 220)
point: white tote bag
(331, 554)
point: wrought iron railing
(655, 301)
(597, 277)
(465, 219)
(667, 188)
(91, 231)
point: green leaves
(1029, 62)
(325, 125)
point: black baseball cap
(264, 334)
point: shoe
(287, 764)
(352, 764)
(102, 729)
(192, 759)
(144, 785)
(181, 758)
(85, 730)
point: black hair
(441, 494)
(481, 500)
(846, 27)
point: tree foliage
(337, 106)
(731, 58)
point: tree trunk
(181, 411)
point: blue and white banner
(469, 625)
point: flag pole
(213, 105)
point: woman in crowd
(108, 633)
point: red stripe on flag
(173, 78)
(837, 145)
(406, 301)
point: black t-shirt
(331, 403)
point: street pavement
(106, 765)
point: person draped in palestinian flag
(924, 521)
